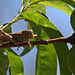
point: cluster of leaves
(46, 60)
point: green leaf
(59, 5)
(71, 59)
(3, 62)
(73, 20)
(56, 4)
(16, 64)
(38, 7)
(70, 2)
(61, 50)
(46, 57)
(46, 62)
(36, 18)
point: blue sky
(9, 9)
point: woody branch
(70, 40)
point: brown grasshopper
(17, 37)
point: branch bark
(70, 40)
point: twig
(70, 40)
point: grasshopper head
(28, 34)
(32, 34)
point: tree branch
(70, 40)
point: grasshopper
(17, 37)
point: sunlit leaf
(36, 7)
(59, 5)
(70, 2)
(37, 18)
(16, 64)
